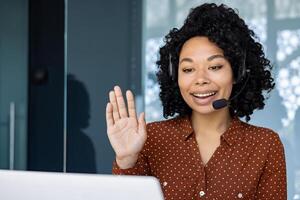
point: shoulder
(261, 136)
(164, 124)
(166, 129)
(267, 147)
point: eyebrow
(215, 56)
(209, 58)
(186, 60)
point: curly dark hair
(222, 26)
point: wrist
(127, 161)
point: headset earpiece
(171, 68)
(243, 71)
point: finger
(131, 104)
(142, 123)
(109, 115)
(113, 101)
(120, 101)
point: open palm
(126, 133)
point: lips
(204, 94)
(203, 98)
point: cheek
(180, 81)
(227, 84)
(224, 82)
(225, 79)
(184, 83)
(182, 88)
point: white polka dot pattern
(249, 163)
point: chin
(203, 110)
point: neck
(215, 123)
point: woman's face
(204, 75)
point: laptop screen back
(17, 185)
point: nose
(202, 78)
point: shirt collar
(186, 127)
(233, 133)
(230, 136)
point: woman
(211, 72)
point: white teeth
(204, 95)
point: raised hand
(126, 133)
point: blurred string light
(288, 79)
(258, 25)
(153, 106)
(287, 41)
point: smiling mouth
(204, 95)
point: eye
(215, 67)
(187, 70)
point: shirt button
(240, 195)
(201, 193)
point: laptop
(24, 185)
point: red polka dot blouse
(248, 164)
